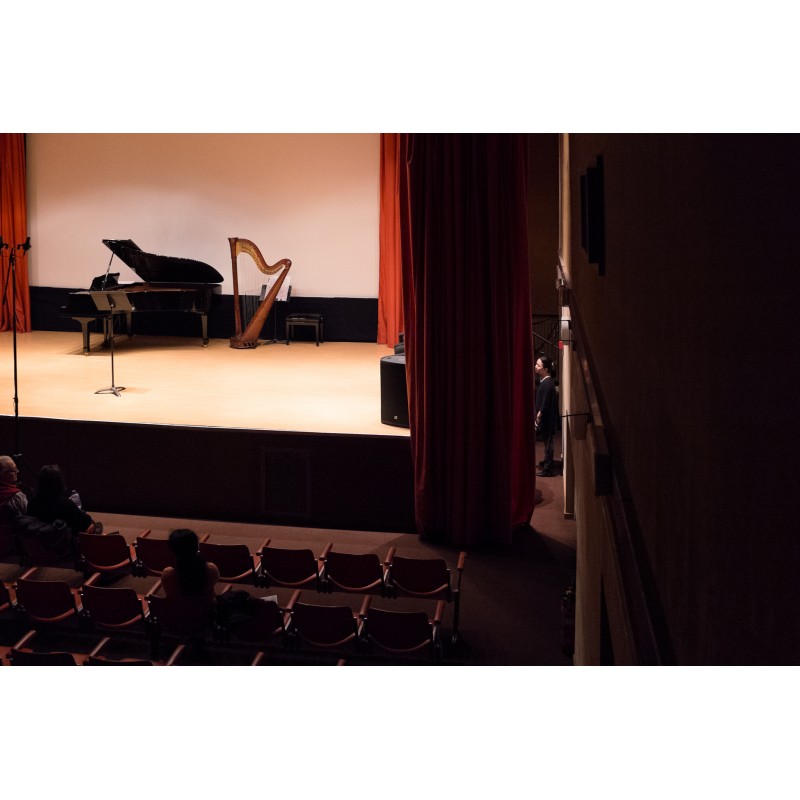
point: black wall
(304, 479)
(346, 319)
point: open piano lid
(161, 269)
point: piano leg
(109, 325)
(84, 321)
(204, 324)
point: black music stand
(114, 302)
(284, 293)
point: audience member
(13, 500)
(52, 501)
(547, 414)
(192, 575)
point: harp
(250, 311)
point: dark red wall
(692, 337)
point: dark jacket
(63, 508)
(547, 403)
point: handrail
(608, 479)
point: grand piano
(172, 284)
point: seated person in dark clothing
(13, 500)
(192, 575)
(51, 501)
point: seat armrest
(175, 655)
(25, 640)
(264, 544)
(364, 606)
(95, 652)
(324, 554)
(460, 567)
(92, 579)
(292, 600)
(28, 574)
(155, 588)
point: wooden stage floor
(332, 388)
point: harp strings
(251, 279)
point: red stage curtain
(468, 334)
(390, 289)
(14, 230)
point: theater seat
(427, 578)
(322, 626)
(106, 552)
(46, 601)
(235, 562)
(293, 568)
(402, 632)
(22, 654)
(360, 573)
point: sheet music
(283, 292)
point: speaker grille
(394, 394)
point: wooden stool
(308, 320)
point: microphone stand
(12, 263)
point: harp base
(243, 344)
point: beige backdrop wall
(309, 197)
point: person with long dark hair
(547, 414)
(192, 575)
(52, 501)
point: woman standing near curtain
(546, 412)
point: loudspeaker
(394, 395)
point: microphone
(26, 246)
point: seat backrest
(398, 631)
(422, 577)
(351, 572)
(288, 567)
(5, 597)
(324, 626)
(46, 601)
(153, 556)
(43, 542)
(264, 621)
(181, 616)
(97, 661)
(105, 552)
(234, 561)
(29, 658)
(7, 541)
(112, 606)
